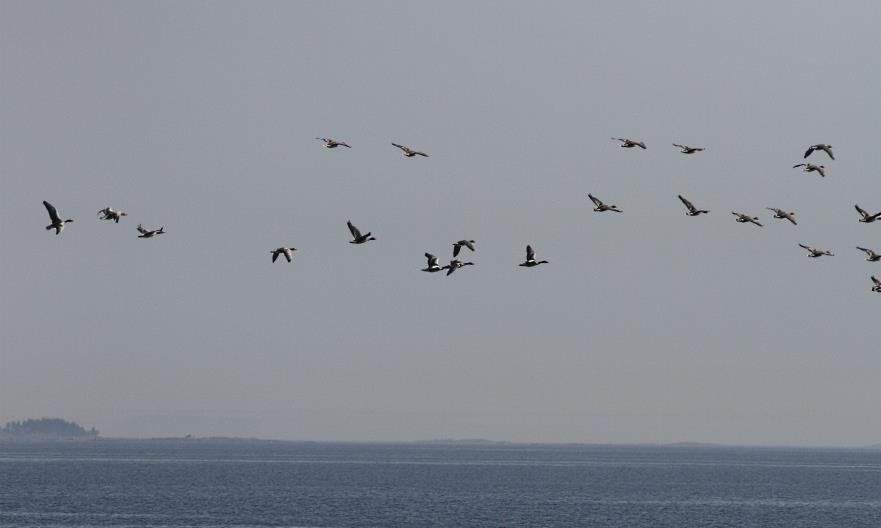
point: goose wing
(828, 150)
(789, 217)
(809, 248)
(596, 201)
(688, 204)
(53, 214)
(402, 147)
(354, 230)
(876, 281)
(800, 165)
(432, 260)
(469, 244)
(810, 150)
(275, 255)
(821, 170)
(530, 253)
(456, 248)
(141, 229)
(858, 208)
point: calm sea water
(230, 483)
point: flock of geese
(108, 213)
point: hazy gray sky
(647, 326)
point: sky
(646, 326)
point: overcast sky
(648, 326)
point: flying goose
(408, 152)
(825, 148)
(332, 143)
(877, 286)
(780, 213)
(432, 266)
(871, 255)
(744, 218)
(814, 252)
(109, 214)
(685, 149)
(286, 251)
(530, 261)
(810, 167)
(457, 246)
(692, 210)
(357, 237)
(454, 265)
(57, 223)
(866, 217)
(600, 206)
(629, 143)
(149, 233)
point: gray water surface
(241, 483)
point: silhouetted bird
(109, 214)
(457, 246)
(814, 252)
(692, 210)
(810, 167)
(530, 261)
(744, 218)
(456, 264)
(408, 152)
(780, 213)
(432, 266)
(866, 217)
(57, 223)
(685, 149)
(600, 206)
(332, 143)
(629, 143)
(149, 233)
(357, 237)
(286, 251)
(871, 256)
(825, 148)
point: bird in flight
(332, 143)
(408, 152)
(530, 261)
(456, 264)
(685, 149)
(629, 143)
(780, 213)
(814, 252)
(109, 214)
(692, 210)
(871, 256)
(744, 218)
(57, 223)
(457, 246)
(286, 251)
(149, 233)
(825, 148)
(601, 207)
(432, 266)
(357, 237)
(810, 167)
(866, 217)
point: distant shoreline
(467, 442)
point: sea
(235, 483)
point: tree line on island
(46, 428)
